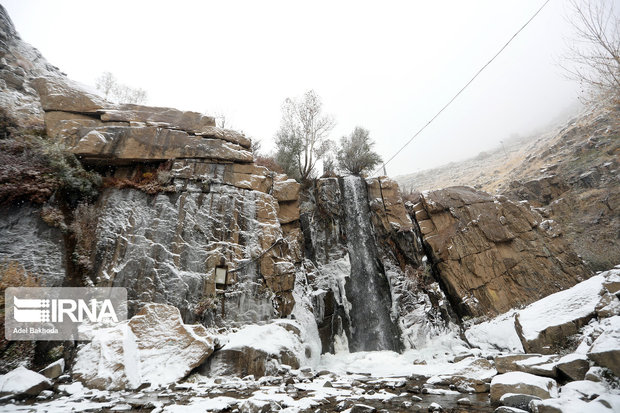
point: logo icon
(31, 310)
(61, 313)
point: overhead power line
(462, 89)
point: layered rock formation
(19, 64)
(492, 254)
(208, 204)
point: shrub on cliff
(355, 154)
(33, 168)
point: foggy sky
(387, 66)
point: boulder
(519, 401)
(507, 409)
(192, 122)
(153, 347)
(23, 382)
(489, 251)
(574, 366)
(540, 366)
(508, 362)
(522, 383)
(54, 370)
(257, 350)
(605, 350)
(63, 94)
(544, 325)
(116, 144)
(362, 408)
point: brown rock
(575, 366)
(130, 144)
(158, 116)
(605, 350)
(62, 94)
(508, 362)
(240, 358)
(65, 126)
(384, 194)
(288, 212)
(225, 135)
(490, 251)
(286, 189)
(522, 383)
(54, 370)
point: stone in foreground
(22, 381)
(153, 347)
(256, 350)
(522, 383)
(605, 350)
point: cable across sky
(462, 89)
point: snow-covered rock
(257, 350)
(519, 401)
(22, 381)
(54, 370)
(602, 404)
(605, 350)
(575, 366)
(522, 383)
(153, 347)
(546, 323)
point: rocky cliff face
(492, 254)
(366, 269)
(212, 207)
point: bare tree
(302, 139)
(594, 55)
(106, 84)
(116, 92)
(355, 154)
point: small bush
(270, 163)
(33, 168)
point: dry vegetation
(33, 168)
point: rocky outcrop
(492, 254)
(99, 131)
(153, 347)
(206, 202)
(19, 64)
(544, 326)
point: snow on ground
(499, 334)
(496, 335)
(435, 359)
(201, 404)
(270, 338)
